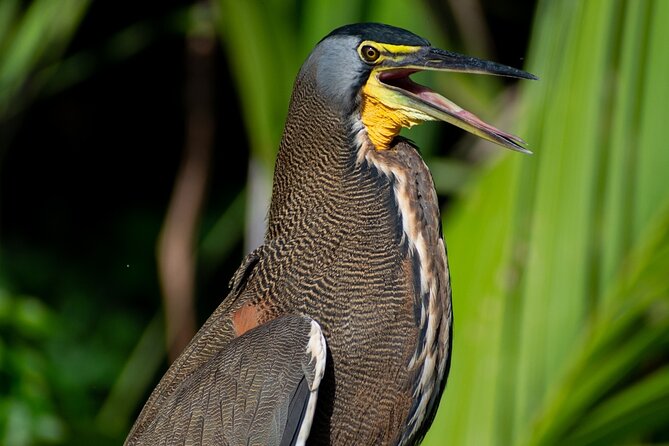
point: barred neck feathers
(313, 154)
(419, 213)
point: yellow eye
(369, 53)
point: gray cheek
(338, 69)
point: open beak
(395, 76)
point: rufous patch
(244, 319)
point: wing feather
(261, 388)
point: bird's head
(365, 68)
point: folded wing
(260, 389)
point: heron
(338, 329)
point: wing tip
(317, 349)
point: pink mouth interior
(400, 79)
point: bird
(338, 329)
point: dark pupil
(371, 53)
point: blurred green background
(136, 150)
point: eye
(369, 53)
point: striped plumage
(205, 393)
(352, 266)
(353, 243)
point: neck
(329, 170)
(313, 158)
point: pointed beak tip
(519, 148)
(520, 74)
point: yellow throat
(383, 115)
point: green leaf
(39, 35)
(640, 407)
(559, 261)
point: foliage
(560, 261)
(31, 38)
(27, 408)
